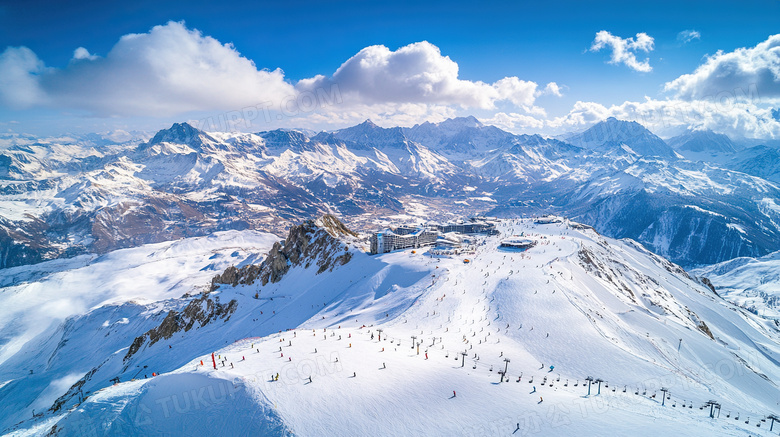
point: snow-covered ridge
(341, 342)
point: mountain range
(696, 199)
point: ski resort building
(548, 220)
(469, 227)
(404, 237)
(389, 240)
(517, 243)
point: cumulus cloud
(733, 117)
(552, 88)
(19, 74)
(169, 70)
(418, 73)
(582, 114)
(514, 122)
(687, 36)
(172, 70)
(753, 72)
(624, 49)
(82, 53)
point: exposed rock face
(313, 242)
(709, 284)
(72, 391)
(198, 312)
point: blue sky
(535, 42)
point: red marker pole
(213, 361)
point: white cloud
(82, 53)
(624, 49)
(582, 114)
(174, 70)
(669, 117)
(418, 73)
(169, 70)
(553, 89)
(19, 70)
(688, 35)
(520, 92)
(753, 72)
(514, 122)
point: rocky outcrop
(710, 285)
(315, 242)
(197, 313)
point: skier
(454, 394)
(540, 399)
(534, 391)
(551, 368)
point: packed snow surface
(410, 344)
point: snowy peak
(455, 124)
(702, 141)
(613, 134)
(368, 133)
(181, 133)
(286, 139)
(462, 134)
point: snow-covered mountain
(88, 195)
(618, 136)
(752, 283)
(702, 141)
(318, 338)
(760, 161)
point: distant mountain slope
(760, 161)
(702, 141)
(752, 283)
(629, 136)
(88, 196)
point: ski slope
(585, 304)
